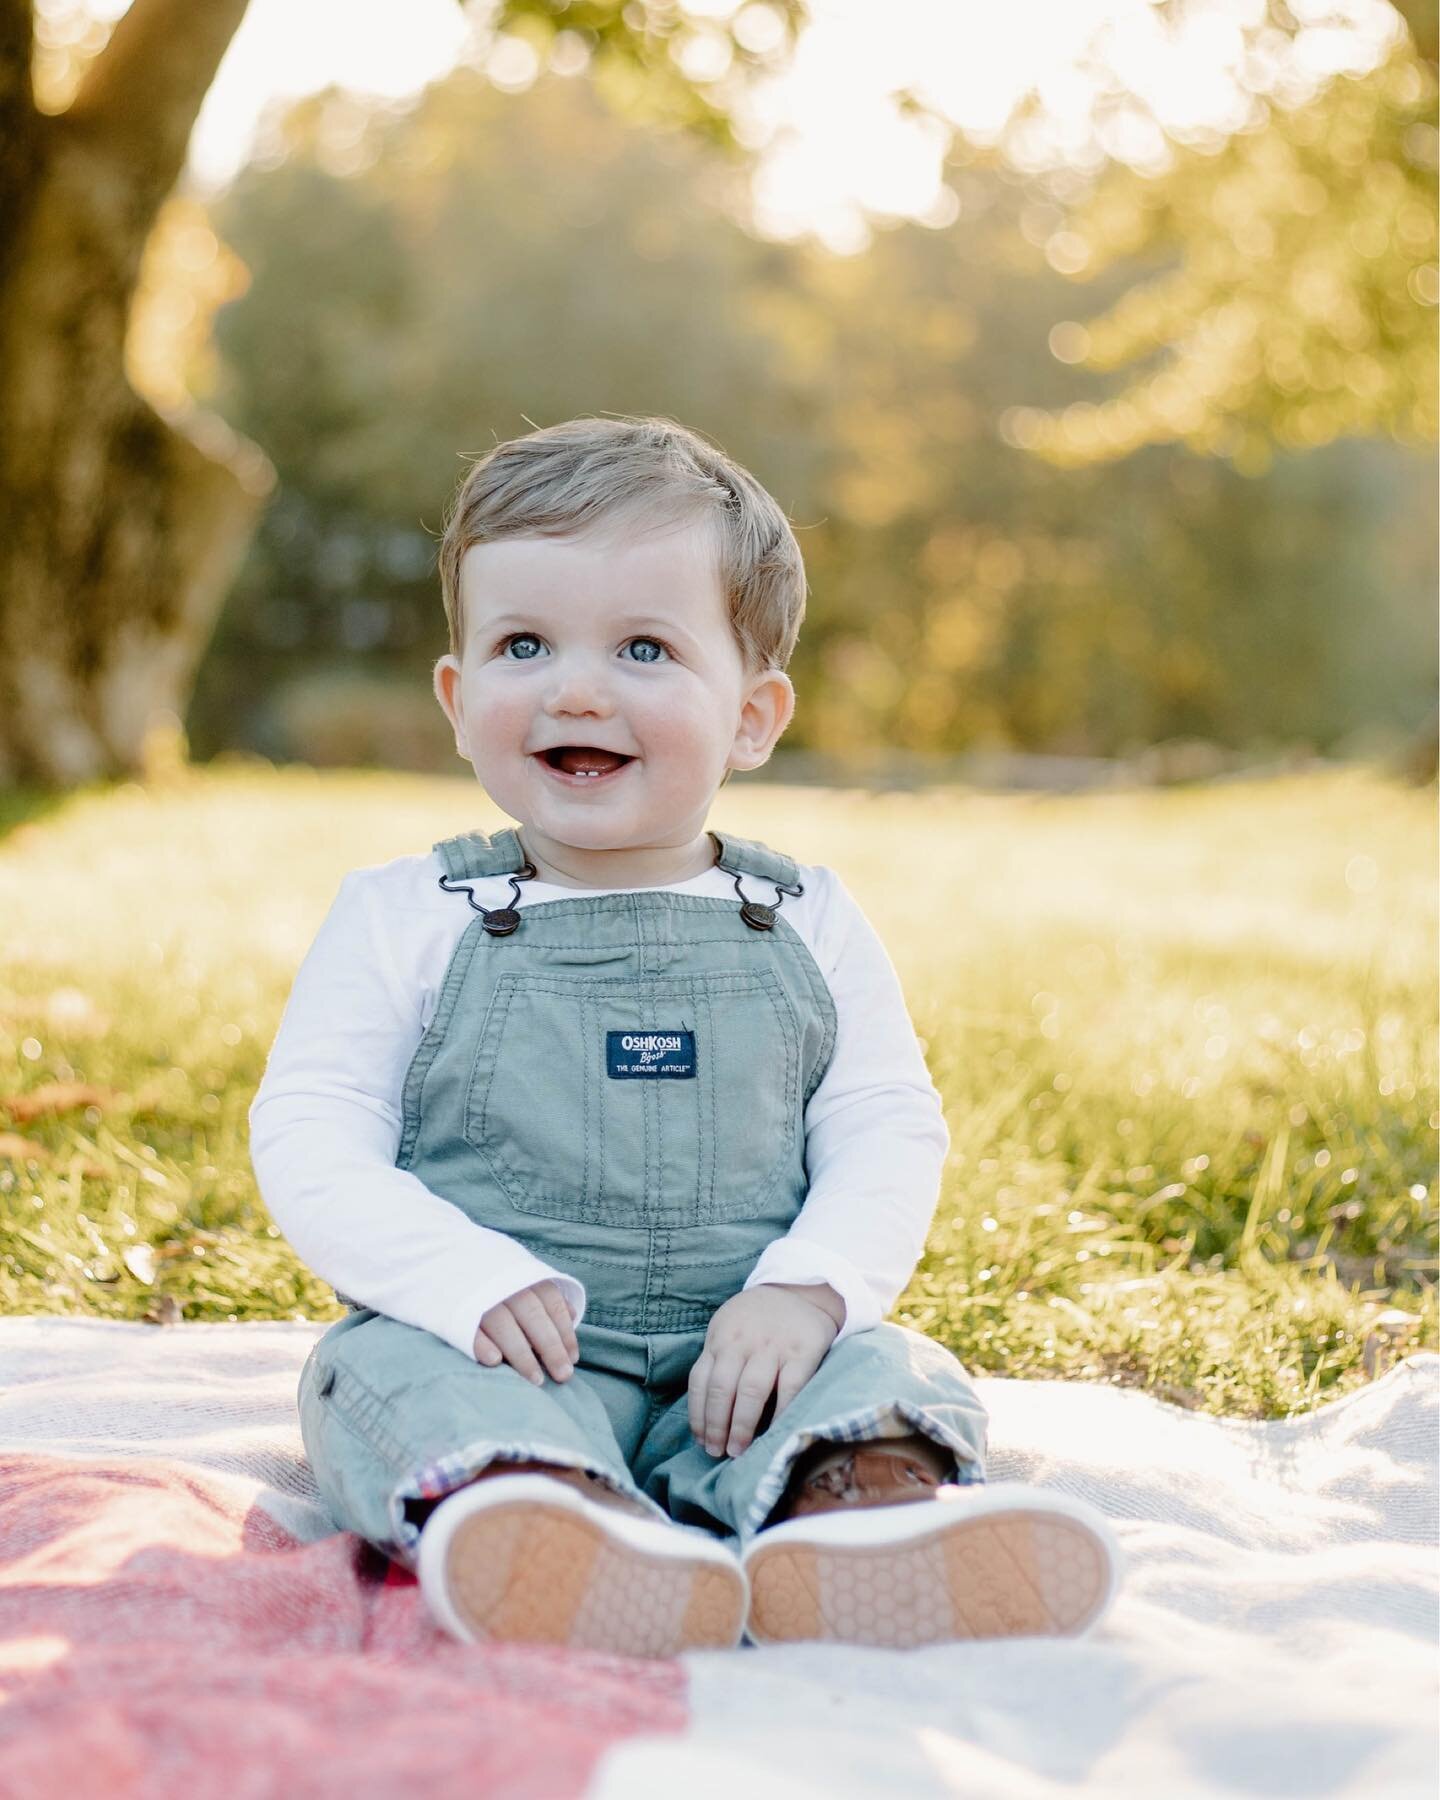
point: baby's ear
(447, 692)
(767, 710)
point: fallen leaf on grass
(54, 1097)
(165, 1310)
(15, 1148)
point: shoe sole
(1020, 1572)
(543, 1571)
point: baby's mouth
(581, 759)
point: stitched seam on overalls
(644, 1312)
(705, 1197)
(690, 942)
(820, 993)
(590, 1119)
(669, 1256)
(477, 1140)
(710, 1262)
(739, 981)
(430, 1043)
(667, 1315)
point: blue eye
(522, 646)
(647, 650)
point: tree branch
(17, 37)
(19, 122)
(144, 89)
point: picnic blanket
(178, 1615)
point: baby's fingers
(757, 1382)
(554, 1303)
(487, 1351)
(513, 1344)
(541, 1331)
(719, 1400)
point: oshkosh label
(629, 1054)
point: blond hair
(563, 479)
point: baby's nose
(578, 689)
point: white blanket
(1275, 1634)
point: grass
(1185, 1038)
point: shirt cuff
(801, 1263)
(465, 1321)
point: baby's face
(601, 695)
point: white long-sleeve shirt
(326, 1122)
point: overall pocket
(655, 1101)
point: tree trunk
(119, 530)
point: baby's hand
(767, 1339)
(533, 1324)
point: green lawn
(1186, 1041)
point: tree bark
(119, 530)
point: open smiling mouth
(583, 763)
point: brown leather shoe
(880, 1472)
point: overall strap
(473, 854)
(739, 856)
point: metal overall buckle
(499, 921)
(756, 914)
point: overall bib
(618, 1082)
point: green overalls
(618, 1082)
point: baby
(616, 1136)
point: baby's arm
(324, 1130)
(875, 1135)
(875, 1142)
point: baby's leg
(879, 1387)
(835, 1550)
(514, 1502)
(394, 1419)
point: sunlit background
(1088, 343)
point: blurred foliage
(68, 38)
(428, 279)
(657, 61)
(1296, 298)
(1185, 1042)
(186, 275)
